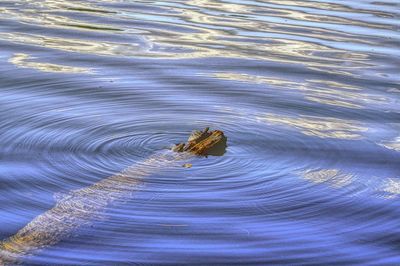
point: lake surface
(308, 93)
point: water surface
(308, 93)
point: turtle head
(204, 143)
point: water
(306, 91)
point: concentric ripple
(306, 91)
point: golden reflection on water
(224, 42)
(212, 29)
(392, 145)
(218, 37)
(339, 94)
(43, 13)
(213, 36)
(320, 91)
(74, 45)
(221, 6)
(333, 177)
(68, 5)
(25, 61)
(322, 127)
(254, 79)
(283, 9)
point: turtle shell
(195, 135)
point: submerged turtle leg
(85, 204)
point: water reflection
(242, 77)
(207, 29)
(44, 13)
(322, 127)
(75, 45)
(26, 61)
(335, 94)
(391, 187)
(320, 91)
(392, 144)
(333, 177)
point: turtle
(81, 206)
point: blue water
(307, 92)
